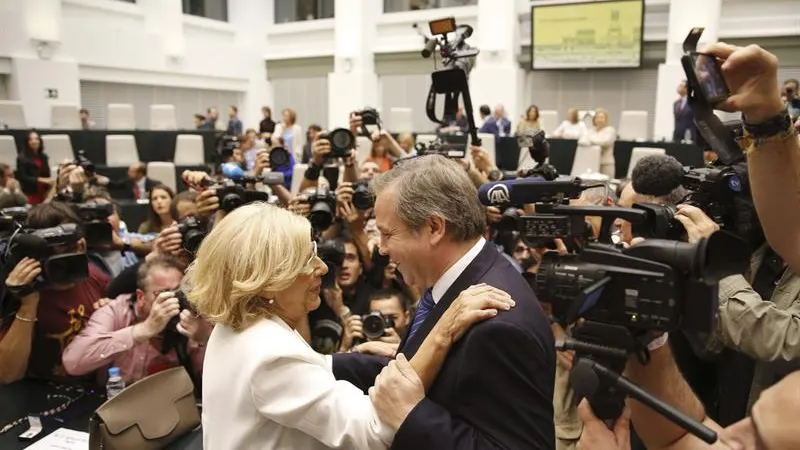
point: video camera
(97, 230)
(458, 57)
(441, 147)
(46, 246)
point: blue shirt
(287, 171)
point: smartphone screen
(709, 76)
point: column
(683, 16)
(165, 18)
(248, 18)
(38, 67)
(497, 77)
(353, 84)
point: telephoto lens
(342, 141)
(362, 195)
(374, 324)
(278, 157)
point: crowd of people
(382, 305)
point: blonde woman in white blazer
(292, 134)
(257, 275)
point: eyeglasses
(309, 266)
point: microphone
(527, 190)
(430, 46)
(233, 171)
(657, 175)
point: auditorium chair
(640, 152)
(401, 120)
(189, 150)
(164, 172)
(162, 117)
(587, 158)
(548, 120)
(64, 116)
(632, 126)
(12, 115)
(120, 116)
(58, 147)
(298, 173)
(121, 150)
(8, 151)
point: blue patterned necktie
(425, 307)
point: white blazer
(265, 388)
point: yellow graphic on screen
(586, 35)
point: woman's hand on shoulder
(474, 304)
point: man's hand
(390, 336)
(262, 162)
(597, 436)
(376, 348)
(353, 217)
(563, 357)
(698, 225)
(299, 205)
(344, 192)
(493, 214)
(751, 74)
(355, 123)
(207, 203)
(165, 307)
(320, 150)
(333, 298)
(24, 272)
(194, 327)
(480, 158)
(193, 178)
(353, 329)
(169, 241)
(12, 184)
(474, 304)
(398, 389)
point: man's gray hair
(433, 185)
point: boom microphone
(233, 171)
(527, 190)
(657, 175)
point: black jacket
(495, 389)
(123, 189)
(27, 172)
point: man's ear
(438, 228)
(139, 295)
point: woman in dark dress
(33, 170)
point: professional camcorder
(331, 252)
(441, 147)
(193, 231)
(375, 324)
(323, 208)
(48, 246)
(342, 142)
(96, 228)
(458, 57)
(362, 195)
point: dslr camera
(87, 165)
(46, 246)
(331, 252)
(323, 207)
(362, 195)
(342, 142)
(375, 324)
(193, 231)
(97, 229)
(369, 118)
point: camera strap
(768, 275)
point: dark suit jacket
(27, 173)
(495, 389)
(494, 126)
(123, 189)
(684, 120)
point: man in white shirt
(495, 389)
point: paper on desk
(63, 439)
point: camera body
(43, 245)
(278, 157)
(193, 231)
(440, 147)
(362, 195)
(232, 195)
(374, 324)
(323, 207)
(98, 231)
(342, 142)
(331, 252)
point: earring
(271, 301)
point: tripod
(452, 82)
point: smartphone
(708, 74)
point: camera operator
(129, 332)
(629, 196)
(10, 192)
(47, 318)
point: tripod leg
(473, 130)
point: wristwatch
(777, 128)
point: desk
(31, 397)
(153, 145)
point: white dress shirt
(265, 388)
(451, 275)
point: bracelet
(25, 319)
(658, 342)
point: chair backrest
(363, 148)
(164, 172)
(640, 152)
(121, 150)
(162, 117)
(401, 120)
(189, 150)
(298, 173)
(58, 147)
(587, 158)
(8, 151)
(120, 117)
(12, 114)
(64, 116)
(548, 120)
(632, 126)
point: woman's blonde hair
(601, 111)
(255, 249)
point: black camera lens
(342, 140)
(231, 201)
(362, 196)
(510, 219)
(373, 325)
(192, 240)
(278, 157)
(321, 215)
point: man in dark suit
(495, 389)
(135, 187)
(684, 118)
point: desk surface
(34, 397)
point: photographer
(48, 317)
(129, 331)
(10, 191)
(320, 153)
